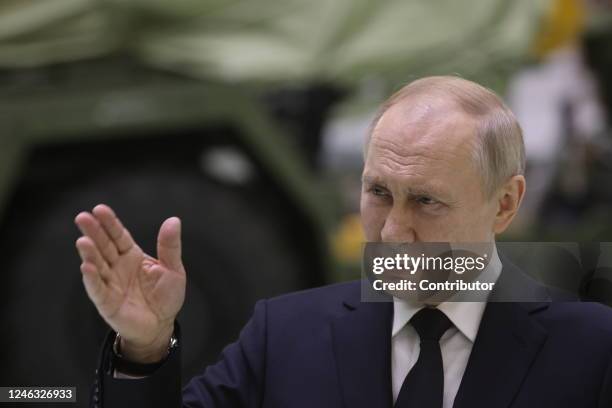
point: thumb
(169, 244)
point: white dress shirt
(456, 343)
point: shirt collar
(465, 316)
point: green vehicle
(155, 107)
(152, 145)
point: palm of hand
(136, 294)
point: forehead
(427, 140)
(413, 125)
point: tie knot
(430, 324)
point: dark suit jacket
(324, 348)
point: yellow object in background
(348, 239)
(562, 25)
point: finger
(89, 226)
(169, 244)
(89, 253)
(114, 228)
(94, 284)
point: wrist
(147, 353)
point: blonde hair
(500, 152)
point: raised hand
(137, 295)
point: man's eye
(427, 201)
(378, 191)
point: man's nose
(399, 226)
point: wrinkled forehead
(425, 125)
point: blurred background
(246, 119)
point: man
(444, 163)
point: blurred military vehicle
(210, 110)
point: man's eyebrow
(425, 190)
(419, 191)
(428, 191)
(371, 179)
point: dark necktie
(424, 384)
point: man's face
(420, 182)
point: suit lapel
(362, 347)
(508, 341)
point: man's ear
(509, 198)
